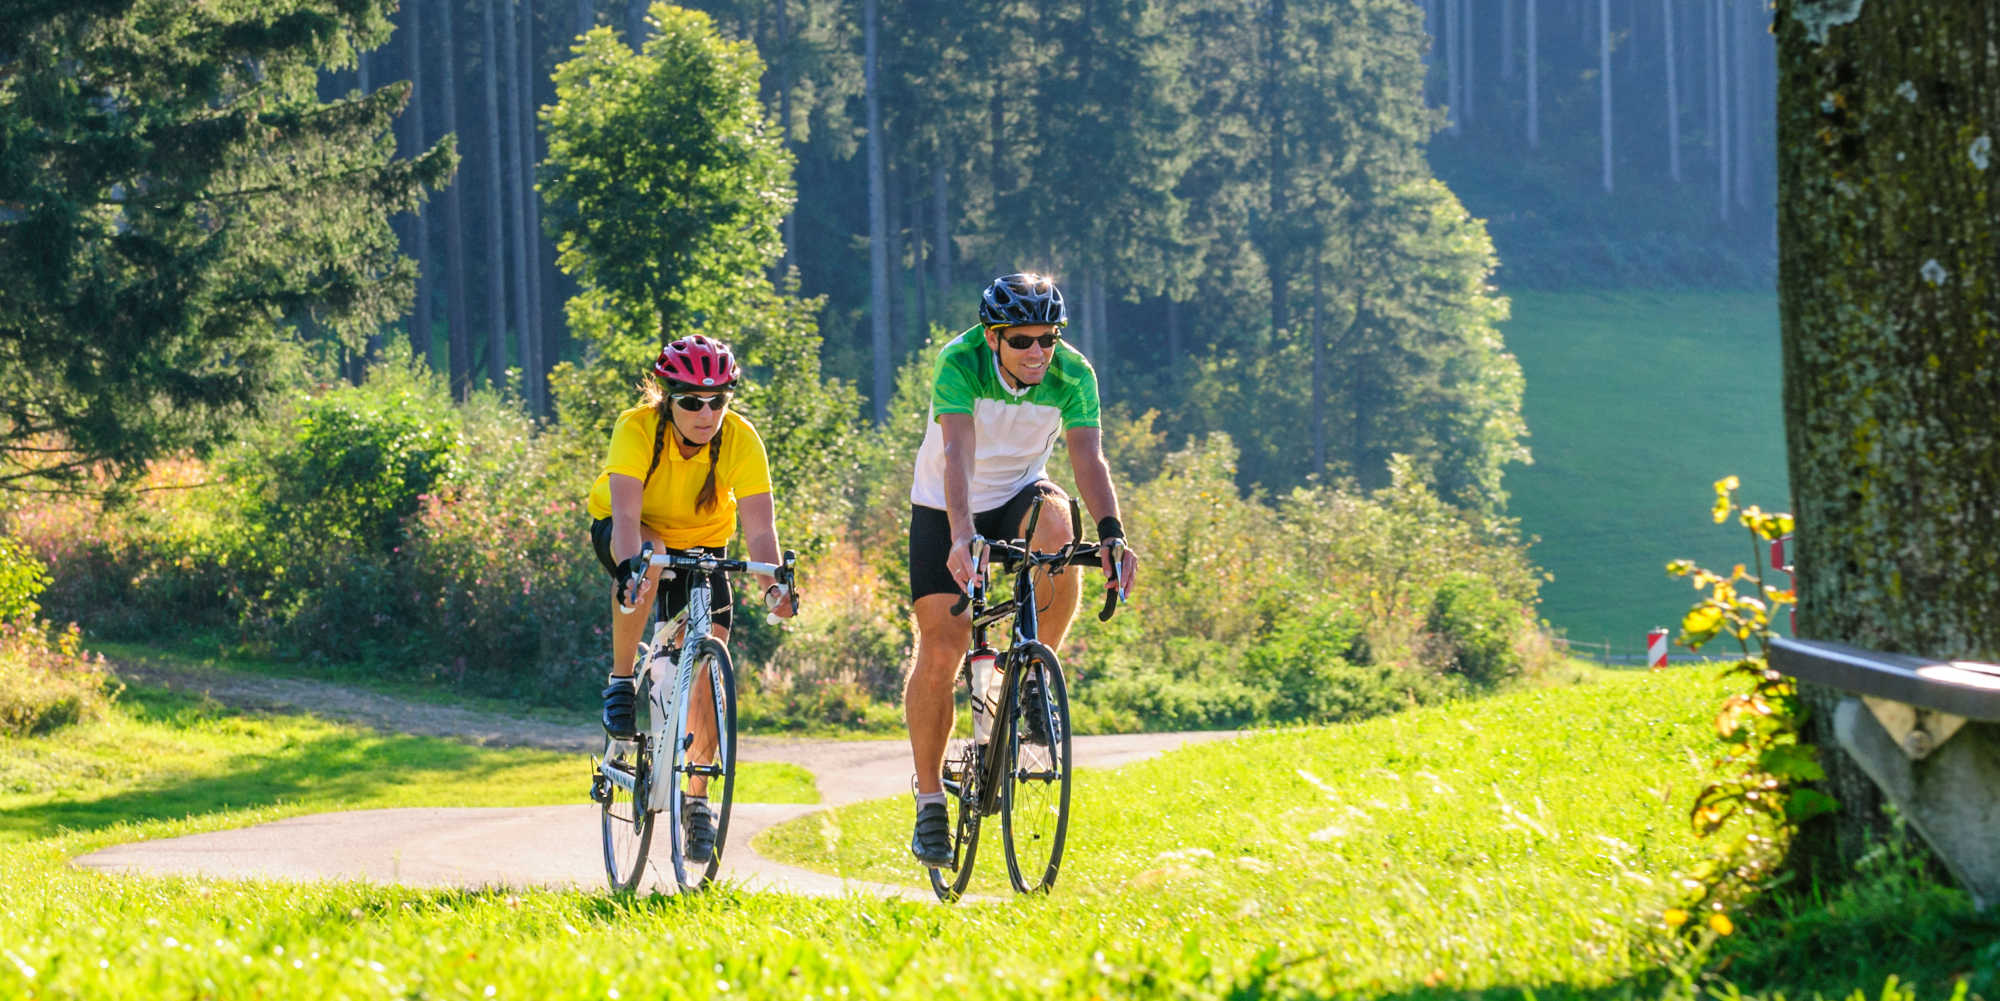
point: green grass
(168, 756)
(205, 654)
(1514, 847)
(1637, 403)
(1549, 819)
(759, 715)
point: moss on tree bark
(1889, 293)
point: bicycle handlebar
(786, 572)
(1085, 555)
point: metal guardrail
(1961, 688)
(1923, 729)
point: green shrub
(1312, 665)
(22, 578)
(453, 549)
(47, 681)
(1476, 628)
(354, 464)
(1315, 608)
(503, 589)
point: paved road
(557, 846)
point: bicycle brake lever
(977, 547)
(1112, 591)
(645, 552)
(787, 578)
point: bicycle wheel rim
(949, 883)
(627, 826)
(712, 660)
(1034, 807)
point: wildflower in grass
(1721, 924)
(1675, 917)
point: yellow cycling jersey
(741, 470)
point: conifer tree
(176, 207)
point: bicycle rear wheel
(961, 786)
(718, 710)
(624, 774)
(1034, 790)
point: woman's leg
(702, 725)
(627, 628)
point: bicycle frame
(1022, 562)
(691, 623)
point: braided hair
(662, 404)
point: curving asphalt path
(550, 846)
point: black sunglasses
(1021, 342)
(696, 404)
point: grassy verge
(197, 655)
(206, 656)
(168, 761)
(1514, 847)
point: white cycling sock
(925, 799)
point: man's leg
(942, 640)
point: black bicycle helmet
(1021, 299)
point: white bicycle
(686, 742)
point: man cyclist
(1001, 394)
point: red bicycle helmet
(698, 362)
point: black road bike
(1023, 771)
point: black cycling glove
(630, 574)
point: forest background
(1272, 221)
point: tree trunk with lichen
(1889, 290)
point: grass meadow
(1637, 402)
(1513, 847)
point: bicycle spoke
(697, 853)
(627, 827)
(1035, 796)
(950, 883)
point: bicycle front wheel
(1036, 770)
(624, 774)
(704, 754)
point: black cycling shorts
(672, 595)
(930, 536)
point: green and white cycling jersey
(1015, 430)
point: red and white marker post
(1656, 648)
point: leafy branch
(1762, 763)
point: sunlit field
(1637, 402)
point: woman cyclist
(680, 470)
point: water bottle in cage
(666, 657)
(985, 693)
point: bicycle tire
(712, 658)
(949, 883)
(1035, 779)
(626, 824)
